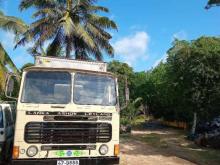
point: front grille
(69, 147)
(67, 133)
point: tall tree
(125, 74)
(17, 26)
(187, 86)
(194, 69)
(69, 25)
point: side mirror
(12, 82)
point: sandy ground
(137, 153)
(134, 152)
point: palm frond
(46, 11)
(39, 4)
(54, 47)
(98, 8)
(84, 35)
(103, 22)
(95, 32)
(137, 100)
(67, 24)
(6, 61)
(12, 24)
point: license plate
(68, 162)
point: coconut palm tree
(71, 26)
(17, 26)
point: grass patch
(138, 122)
(152, 139)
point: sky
(146, 28)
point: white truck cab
(6, 130)
(67, 114)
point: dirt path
(138, 153)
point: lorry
(67, 114)
(7, 119)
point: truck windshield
(47, 87)
(94, 90)
(1, 118)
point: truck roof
(34, 68)
(55, 62)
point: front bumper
(83, 161)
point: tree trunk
(146, 109)
(78, 55)
(126, 91)
(68, 47)
(69, 5)
(193, 131)
(67, 51)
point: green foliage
(17, 26)
(123, 71)
(69, 26)
(13, 24)
(26, 66)
(188, 82)
(193, 68)
(131, 111)
(125, 121)
(6, 65)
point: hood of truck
(58, 113)
(67, 107)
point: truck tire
(3, 154)
(9, 153)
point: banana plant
(132, 109)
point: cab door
(9, 124)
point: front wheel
(3, 153)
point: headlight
(103, 150)
(32, 151)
